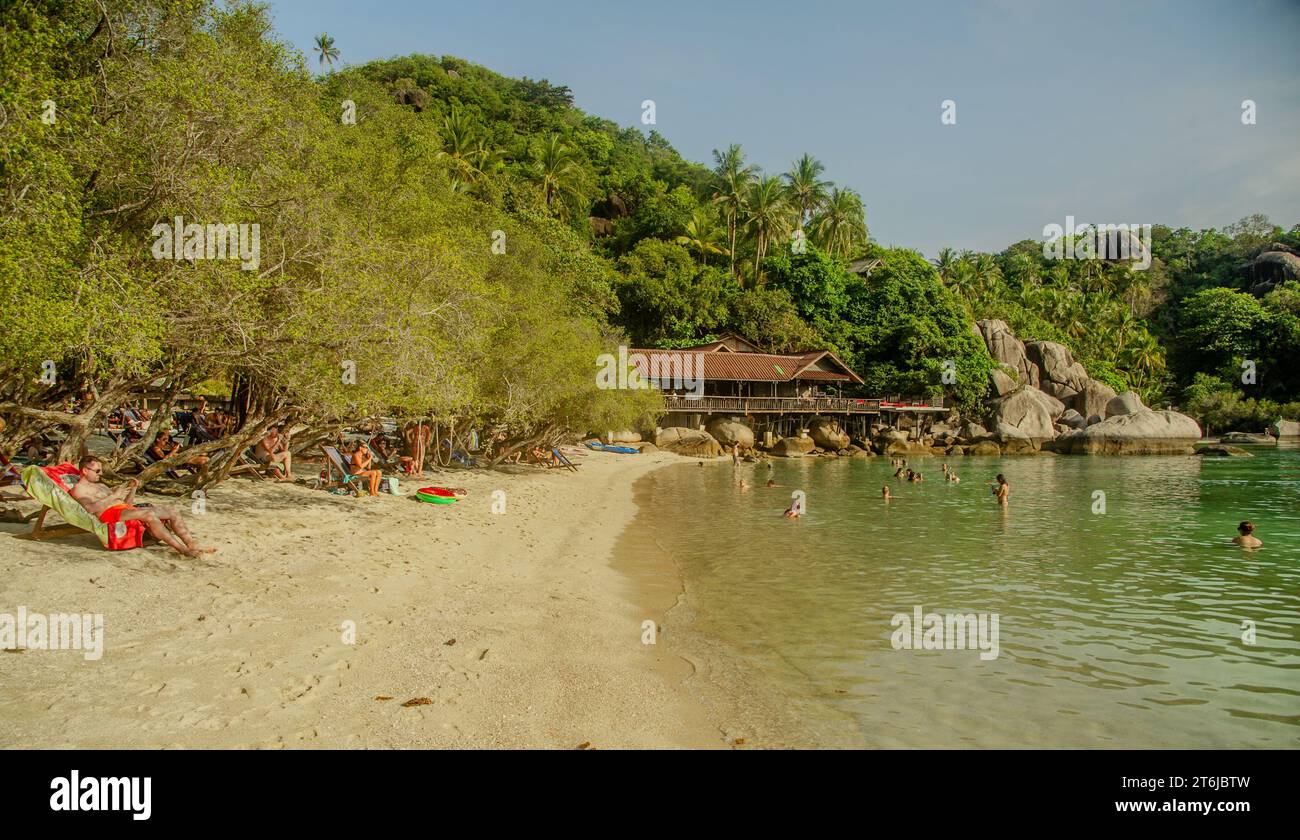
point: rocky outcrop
(1248, 437)
(1004, 382)
(1121, 404)
(1133, 430)
(1004, 347)
(984, 447)
(1092, 398)
(1059, 375)
(793, 447)
(827, 433)
(1284, 428)
(1222, 451)
(690, 442)
(1072, 419)
(1030, 412)
(625, 436)
(729, 431)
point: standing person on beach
(1002, 490)
(1246, 535)
(117, 506)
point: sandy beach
(510, 630)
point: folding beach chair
(249, 464)
(54, 497)
(335, 463)
(563, 461)
(11, 476)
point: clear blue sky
(1110, 112)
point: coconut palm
(732, 179)
(328, 52)
(555, 168)
(702, 235)
(945, 264)
(988, 276)
(807, 191)
(841, 225)
(767, 215)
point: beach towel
(48, 485)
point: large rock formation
(1059, 375)
(1003, 380)
(1131, 428)
(1092, 398)
(690, 442)
(1029, 411)
(1004, 347)
(827, 433)
(1121, 404)
(1284, 428)
(729, 431)
(793, 447)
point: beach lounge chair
(250, 464)
(562, 460)
(334, 463)
(11, 476)
(54, 497)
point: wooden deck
(795, 405)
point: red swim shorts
(122, 535)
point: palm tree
(701, 235)
(962, 278)
(767, 215)
(841, 226)
(946, 263)
(555, 167)
(807, 192)
(733, 178)
(987, 274)
(328, 52)
(466, 150)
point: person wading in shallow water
(1246, 535)
(1002, 490)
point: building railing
(781, 405)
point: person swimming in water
(952, 478)
(884, 493)
(1246, 535)
(792, 512)
(916, 478)
(771, 482)
(898, 473)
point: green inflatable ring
(435, 500)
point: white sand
(246, 649)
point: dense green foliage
(378, 235)
(371, 259)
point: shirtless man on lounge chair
(111, 506)
(273, 451)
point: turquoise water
(1116, 629)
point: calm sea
(1126, 618)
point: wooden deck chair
(11, 476)
(334, 463)
(564, 461)
(250, 465)
(54, 497)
